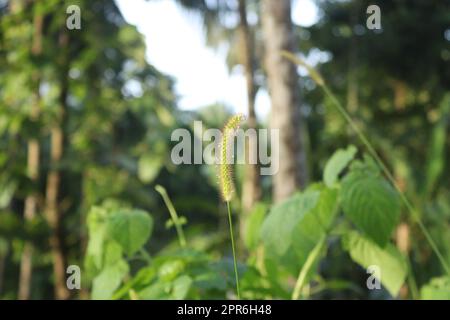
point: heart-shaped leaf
(130, 228)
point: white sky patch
(304, 12)
(176, 46)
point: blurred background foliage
(85, 127)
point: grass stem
(173, 215)
(374, 154)
(312, 257)
(234, 251)
(415, 215)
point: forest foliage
(102, 193)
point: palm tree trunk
(285, 114)
(52, 211)
(26, 263)
(251, 190)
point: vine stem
(234, 251)
(173, 215)
(312, 257)
(415, 215)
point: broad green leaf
(338, 161)
(109, 280)
(113, 253)
(253, 225)
(436, 289)
(371, 203)
(315, 222)
(131, 228)
(389, 260)
(278, 228)
(294, 227)
(216, 275)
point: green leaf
(370, 202)
(97, 232)
(283, 219)
(338, 161)
(316, 222)
(113, 253)
(143, 277)
(176, 289)
(436, 289)
(158, 290)
(148, 167)
(130, 228)
(104, 285)
(392, 265)
(7, 189)
(253, 225)
(181, 287)
(211, 281)
(294, 227)
(171, 269)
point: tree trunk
(26, 264)
(285, 114)
(3, 257)
(251, 190)
(52, 211)
(402, 233)
(402, 239)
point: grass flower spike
(314, 74)
(225, 160)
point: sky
(176, 46)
